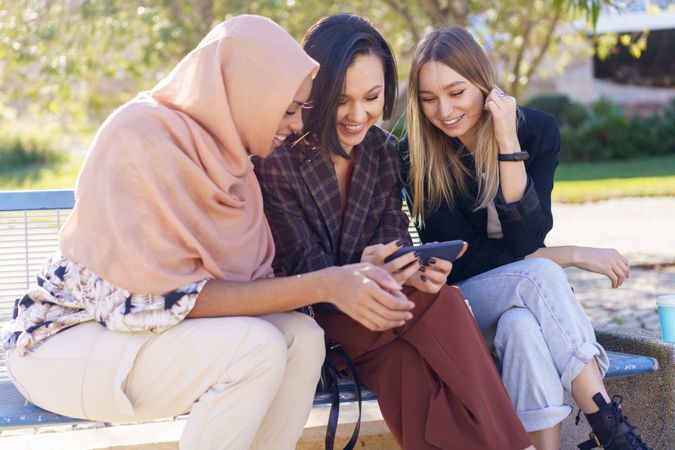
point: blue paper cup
(666, 304)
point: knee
(542, 280)
(517, 327)
(544, 270)
(305, 340)
(267, 343)
(237, 347)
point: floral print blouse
(67, 294)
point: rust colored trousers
(434, 378)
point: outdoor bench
(16, 412)
(29, 224)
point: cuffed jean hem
(579, 359)
(543, 419)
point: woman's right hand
(369, 295)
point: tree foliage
(75, 60)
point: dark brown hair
(334, 42)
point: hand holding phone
(449, 251)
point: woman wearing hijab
(334, 198)
(168, 225)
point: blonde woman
(480, 168)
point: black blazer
(524, 223)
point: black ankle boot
(611, 429)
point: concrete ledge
(649, 399)
(373, 435)
(164, 435)
(374, 432)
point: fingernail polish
(422, 269)
(432, 261)
(423, 278)
(401, 242)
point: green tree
(76, 60)
(517, 34)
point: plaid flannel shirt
(302, 204)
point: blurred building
(641, 85)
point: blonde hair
(436, 171)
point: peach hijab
(167, 195)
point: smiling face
(292, 120)
(362, 100)
(450, 101)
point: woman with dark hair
(333, 197)
(480, 168)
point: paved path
(643, 229)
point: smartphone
(443, 250)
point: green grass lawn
(581, 182)
(575, 183)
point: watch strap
(517, 156)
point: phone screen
(443, 250)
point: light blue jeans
(529, 315)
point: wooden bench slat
(623, 364)
(37, 200)
(15, 411)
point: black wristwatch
(517, 156)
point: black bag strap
(331, 428)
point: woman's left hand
(431, 277)
(401, 268)
(503, 110)
(605, 261)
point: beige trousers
(248, 382)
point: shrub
(645, 136)
(664, 129)
(606, 133)
(23, 146)
(603, 131)
(565, 111)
